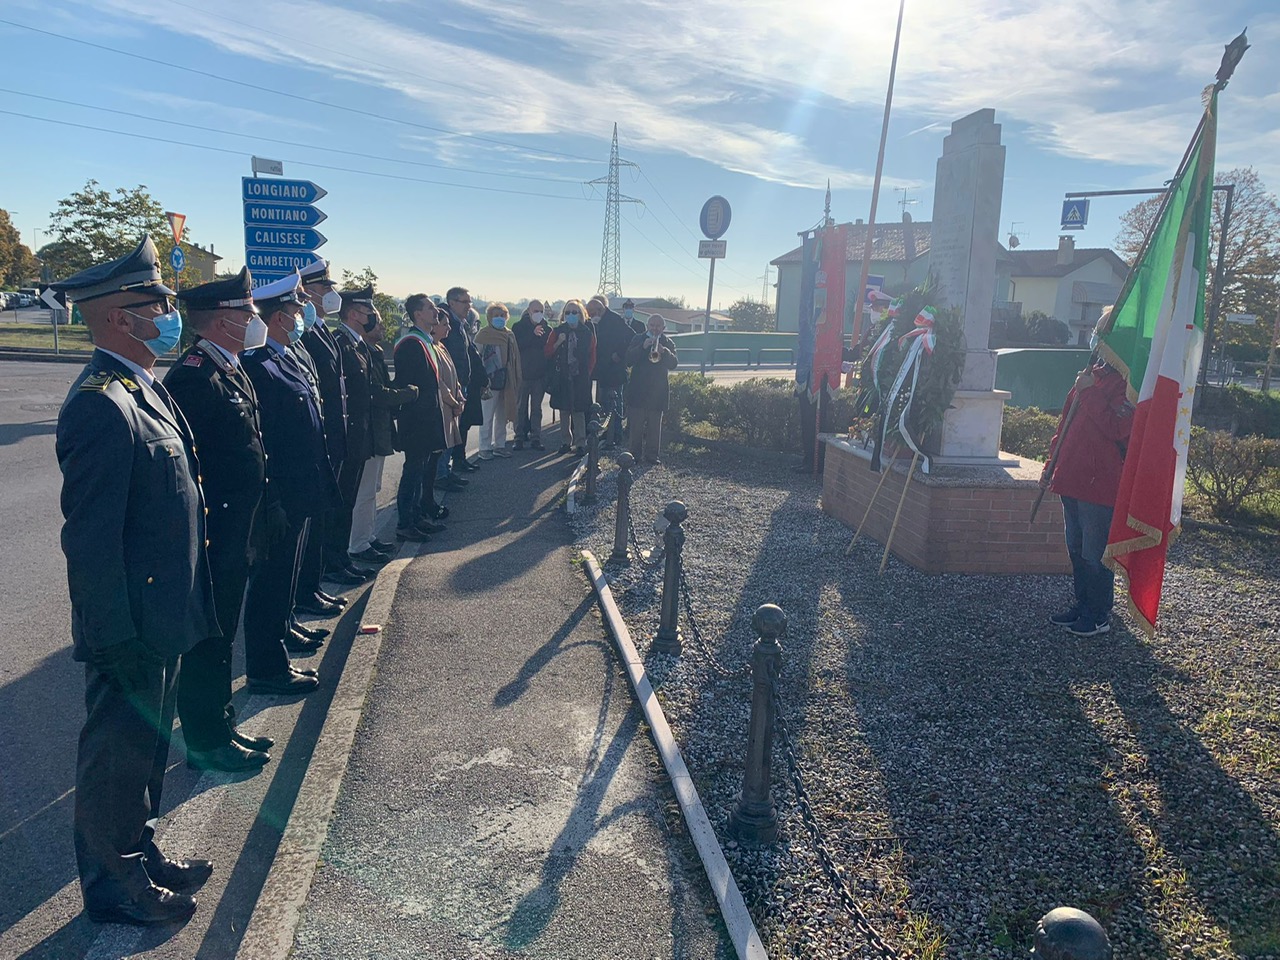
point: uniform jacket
(355, 365)
(570, 391)
(648, 389)
(385, 403)
(299, 474)
(533, 361)
(320, 344)
(134, 530)
(422, 426)
(1091, 457)
(613, 336)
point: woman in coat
(651, 357)
(500, 356)
(571, 348)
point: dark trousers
(268, 604)
(338, 524)
(416, 495)
(1087, 526)
(124, 748)
(204, 686)
(611, 402)
(313, 559)
(529, 416)
(460, 451)
(646, 433)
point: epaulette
(100, 381)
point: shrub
(1231, 471)
(1238, 410)
(1027, 432)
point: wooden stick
(884, 475)
(915, 457)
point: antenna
(611, 247)
(764, 291)
(905, 201)
(1014, 239)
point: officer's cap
(270, 297)
(628, 302)
(137, 271)
(235, 291)
(316, 272)
(362, 298)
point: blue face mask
(170, 327)
(571, 319)
(309, 315)
(299, 328)
(628, 313)
(498, 322)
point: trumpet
(654, 355)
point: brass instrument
(654, 354)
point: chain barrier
(695, 631)
(826, 859)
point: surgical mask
(571, 319)
(331, 302)
(299, 328)
(536, 317)
(498, 322)
(309, 315)
(170, 327)
(628, 313)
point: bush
(1027, 432)
(1229, 472)
(1238, 410)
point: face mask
(299, 328)
(170, 327)
(253, 334)
(536, 317)
(309, 315)
(628, 313)
(498, 323)
(571, 319)
(331, 302)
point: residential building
(1069, 284)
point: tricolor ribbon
(921, 340)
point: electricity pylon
(610, 247)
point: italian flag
(1154, 337)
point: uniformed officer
(356, 310)
(300, 482)
(218, 400)
(141, 595)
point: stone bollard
(593, 460)
(755, 821)
(668, 636)
(622, 520)
(1066, 933)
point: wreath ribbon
(919, 341)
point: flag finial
(826, 210)
(1230, 57)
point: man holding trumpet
(651, 357)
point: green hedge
(1238, 411)
(1027, 432)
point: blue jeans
(1087, 526)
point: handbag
(498, 379)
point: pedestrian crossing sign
(1075, 214)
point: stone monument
(962, 259)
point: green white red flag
(1154, 336)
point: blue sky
(759, 101)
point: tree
(1251, 262)
(1042, 328)
(748, 314)
(392, 310)
(17, 264)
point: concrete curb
(737, 919)
(275, 920)
(575, 481)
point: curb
(275, 919)
(737, 919)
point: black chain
(832, 870)
(696, 632)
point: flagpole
(860, 293)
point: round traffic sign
(715, 217)
(177, 259)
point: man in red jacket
(1087, 476)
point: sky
(456, 139)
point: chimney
(1066, 250)
(908, 237)
(858, 222)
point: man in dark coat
(357, 308)
(471, 378)
(421, 428)
(531, 337)
(300, 482)
(613, 336)
(651, 357)
(218, 400)
(141, 596)
(571, 356)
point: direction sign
(283, 214)
(1075, 214)
(282, 238)
(1244, 319)
(714, 218)
(177, 260)
(280, 191)
(279, 262)
(711, 249)
(54, 299)
(263, 165)
(176, 222)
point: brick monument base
(955, 520)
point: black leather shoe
(340, 601)
(439, 513)
(430, 526)
(370, 555)
(564, 448)
(180, 876)
(382, 546)
(303, 671)
(453, 483)
(343, 576)
(318, 607)
(295, 642)
(231, 758)
(154, 906)
(467, 466)
(413, 534)
(287, 684)
(252, 743)
(311, 633)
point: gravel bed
(972, 766)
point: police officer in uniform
(300, 483)
(357, 309)
(141, 596)
(217, 398)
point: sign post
(177, 223)
(714, 221)
(57, 303)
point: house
(1070, 284)
(205, 262)
(679, 320)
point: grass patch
(40, 336)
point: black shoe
(429, 526)
(154, 906)
(344, 576)
(537, 445)
(330, 598)
(318, 607)
(382, 546)
(311, 633)
(467, 466)
(579, 452)
(518, 445)
(564, 448)
(303, 671)
(286, 684)
(439, 513)
(453, 483)
(414, 534)
(370, 555)
(180, 876)
(252, 743)
(296, 643)
(230, 758)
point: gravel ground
(973, 767)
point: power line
(296, 96)
(304, 163)
(678, 262)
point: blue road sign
(282, 238)
(177, 259)
(275, 190)
(282, 214)
(1075, 214)
(714, 218)
(279, 262)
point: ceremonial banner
(806, 326)
(1154, 337)
(829, 307)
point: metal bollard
(755, 821)
(622, 520)
(1066, 933)
(593, 460)
(667, 639)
